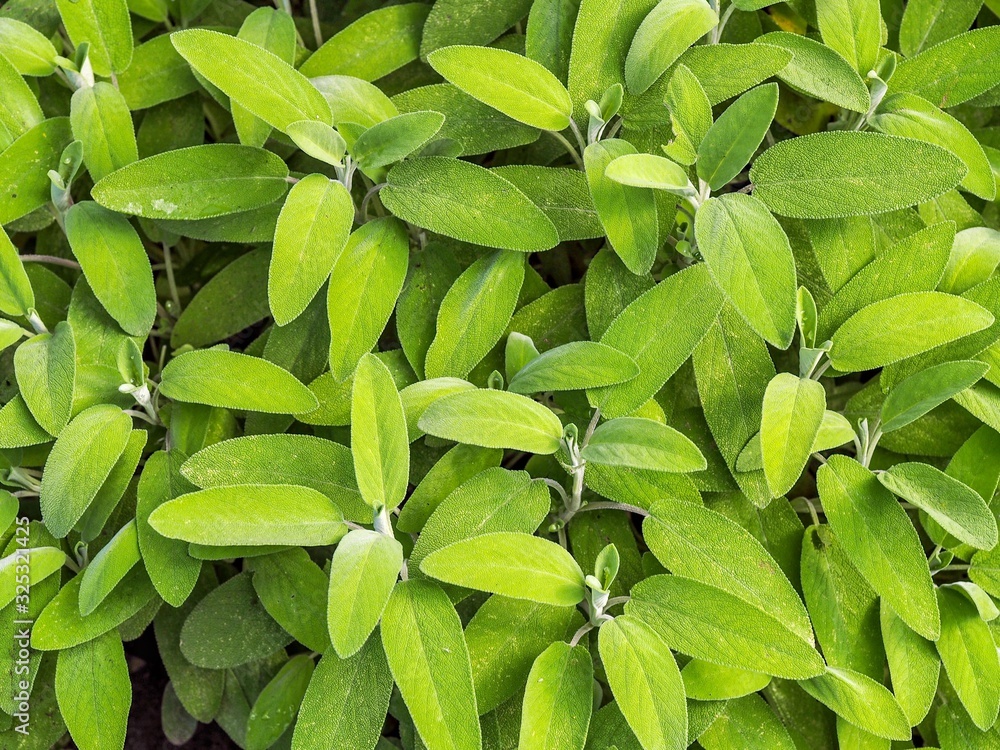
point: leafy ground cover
(495, 374)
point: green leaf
(251, 515)
(504, 638)
(156, 75)
(274, 710)
(302, 460)
(431, 275)
(549, 35)
(256, 79)
(195, 183)
(985, 570)
(690, 115)
(827, 175)
(974, 257)
(375, 45)
(45, 366)
(880, 541)
(644, 332)
(80, 461)
(105, 26)
(24, 164)
(312, 230)
(627, 213)
(173, 572)
(642, 444)
(563, 194)
(843, 607)
(94, 692)
(318, 140)
(379, 442)
(861, 701)
(109, 567)
(229, 628)
(61, 626)
(28, 50)
(518, 352)
(927, 389)
(792, 414)
(524, 567)
(293, 590)
(470, 126)
(275, 32)
(101, 121)
(494, 419)
(423, 641)
(20, 111)
(453, 469)
(491, 501)
(926, 23)
(517, 86)
(474, 314)
(389, 141)
(575, 366)
(233, 299)
(363, 573)
(904, 326)
(955, 506)
(684, 538)
(19, 428)
(235, 381)
(609, 287)
(115, 263)
(601, 38)
(910, 116)
(345, 705)
(558, 699)
(819, 71)
(747, 720)
(16, 295)
(646, 683)
(100, 510)
(710, 624)
(751, 260)
(669, 29)
(914, 263)
(465, 201)
(953, 71)
(650, 171)
(42, 563)
(710, 682)
(734, 138)
(364, 286)
(853, 29)
(913, 664)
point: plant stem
(579, 136)
(169, 266)
(570, 148)
(584, 629)
(51, 260)
(317, 32)
(36, 322)
(367, 199)
(812, 511)
(560, 490)
(717, 31)
(601, 505)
